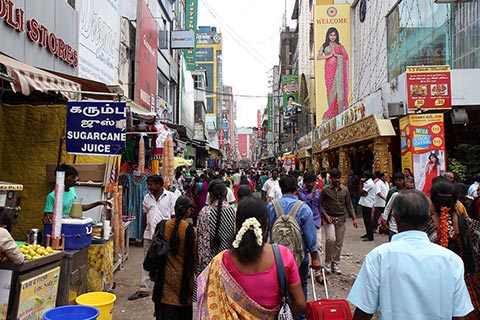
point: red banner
(429, 88)
(259, 124)
(146, 59)
(221, 138)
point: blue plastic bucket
(72, 313)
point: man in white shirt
(366, 202)
(158, 205)
(381, 191)
(269, 184)
(472, 190)
(410, 277)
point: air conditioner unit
(459, 116)
(396, 109)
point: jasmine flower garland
(249, 224)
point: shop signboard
(146, 58)
(429, 88)
(422, 145)
(38, 295)
(99, 40)
(332, 57)
(270, 112)
(96, 128)
(191, 24)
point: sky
(251, 41)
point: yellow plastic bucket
(103, 301)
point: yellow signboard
(38, 295)
(332, 67)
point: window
(163, 85)
(418, 33)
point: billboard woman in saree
(332, 79)
(336, 73)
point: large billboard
(332, 67)
(290, 97)
(146, 58)
(99, 40)
(428, 88)
(423, 147)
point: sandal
(139, 295)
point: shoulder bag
(285, 312)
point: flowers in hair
(249, 224)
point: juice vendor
(70, 194)
(8, 248)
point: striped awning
(27, 79)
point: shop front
(362, 145)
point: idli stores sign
(37, 32)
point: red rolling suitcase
(326, 309)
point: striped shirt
(207, 220)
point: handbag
(285, 312)
(157, 253)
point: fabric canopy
(28, 79)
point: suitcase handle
(313, 284)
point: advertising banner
(332, 67)
(259, 124)
(38, 295)
(191, 24)
(96, 128)
(429, 88)
(146, 58)
(99, 40)
(270, 112)
(423, 147)
(5, 281)
(221, 138)
(289, 97)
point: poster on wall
(429, 88)
(5, 281)
(289, 98)
(423, 148)
(332, 67)
(146, 58)
(38, 294)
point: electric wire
(237, 38)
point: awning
(28, 79)
(140, 112)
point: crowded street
(224, 160)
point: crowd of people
(221, 226)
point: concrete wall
(29, 140)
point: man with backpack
(291, 224)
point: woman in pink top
(229, 286)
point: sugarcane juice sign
(38, 295)
(96, 128)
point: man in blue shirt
(410, 277)
(311, 195)
(304, 217)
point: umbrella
(177, 162)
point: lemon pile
(32, 252)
